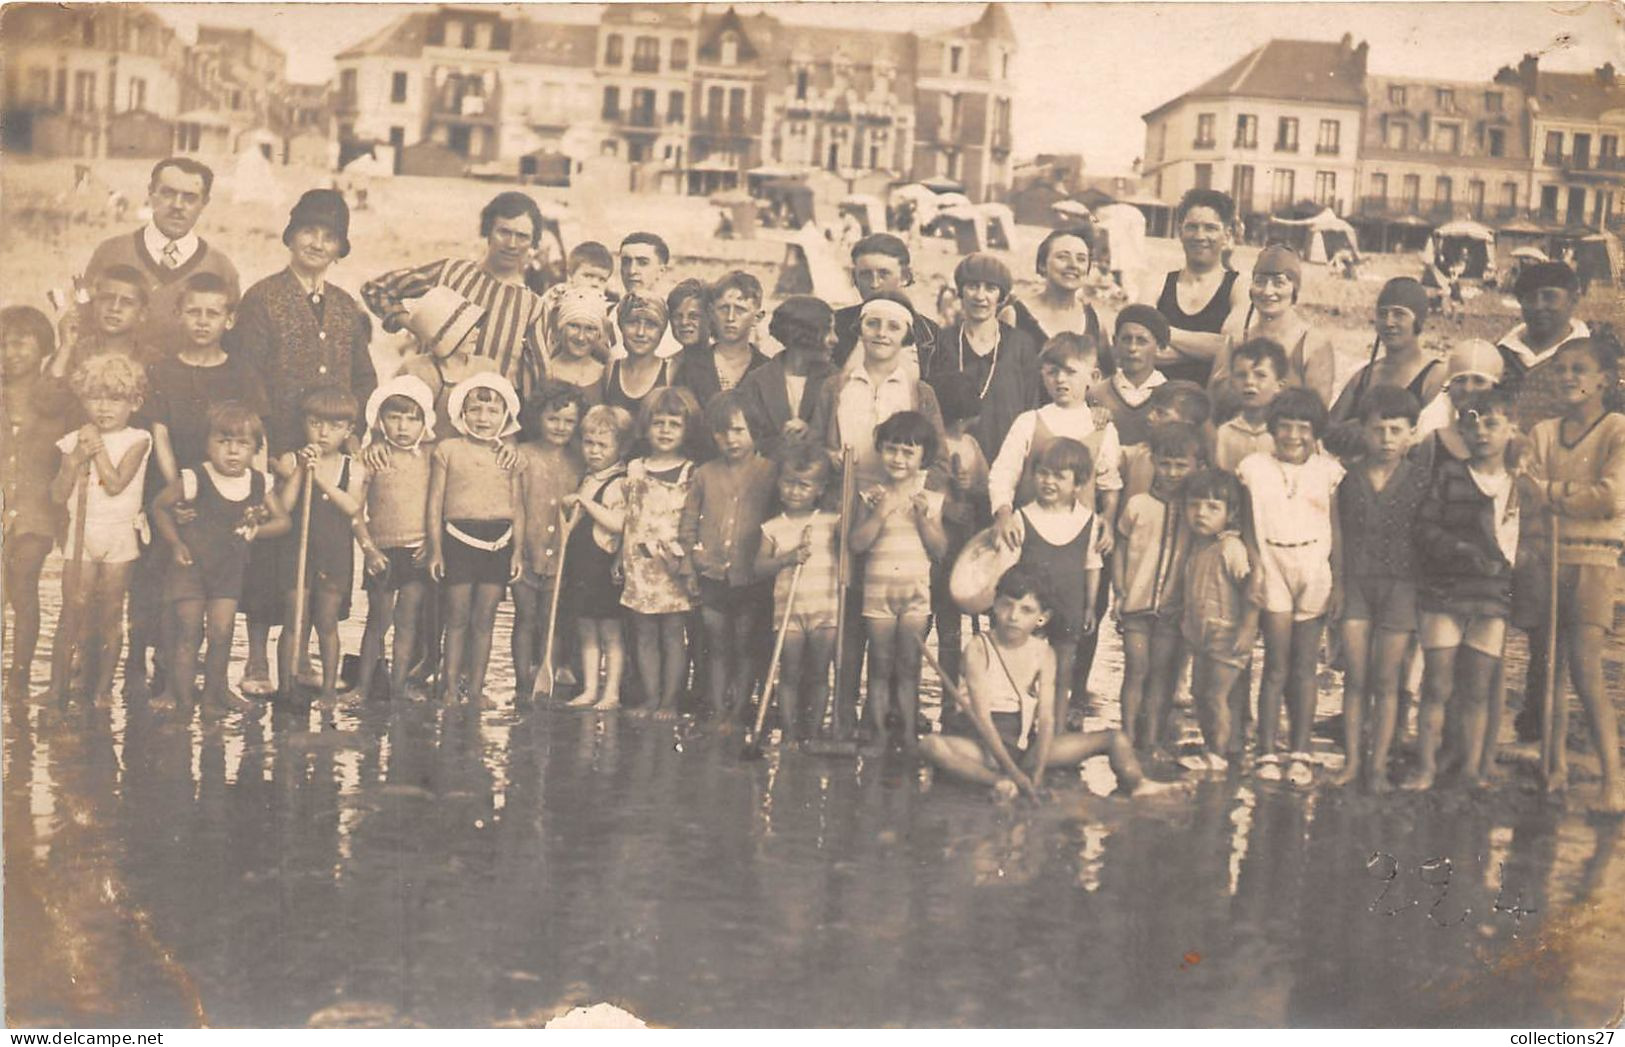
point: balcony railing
(1204, 143)
(1286, 147)
(641, 64)
(1327, 150)
(640, 118)
(1552, 159)
(722, 125)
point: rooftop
(1292, 70)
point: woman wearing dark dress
(1197, 299)
(1001, 361)
(300, 333)
(1064, 258)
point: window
(1443, 193)
(347, 88)
(1286, 135)
(1607, 147)
(674, 107)
(39, 86)
(679, 54)
(736, 108)
(1494, 102)
(643, 108)
(1246, 131)
(956, 59)
(801, 84)
(468, 41)
(1548, 202)
(1241, 188)
(1509, 197)
(1281, 193)
(84, 91)
(646, 55)
(713, 103)
(1447, 139)
(1398, 135)
(1204, 130)
(397, 137)
(1326, 188)
(440, 30)
(1475, 198)
(1554, 147)
(1445, 98)
(1004, 65)
(1396, 94)
(1330, 141)
(1379, 189)
(730, 48)
(138, 93)
(612, 49)
(482, 36)
(612, 103)
(397, 88)
(1497, 142)
(1411, 192)
(1204, 176)
(1581, 152)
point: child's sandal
(1298, 771)
(1268, 768)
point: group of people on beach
(636, 473)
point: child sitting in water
(803, 535)
(597, 511)
(1003, 731)
(391, 528)
(475, 517)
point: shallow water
(418, 864)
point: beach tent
(251, 177)
(942, 184)
(1469, 240)
(998, 226)
(740, 209)
(865, 209)
(1124, 247)
(1071, 210)
(1316, 238)
(811, 267)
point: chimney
(1529, 73)
(1605, 73)
(1360, 54)
(1347, 42)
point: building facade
(1576, 122)
(690, 98)
(1529, 144)
(1443, 149)
(1280, 127)
(97, 80)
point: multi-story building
(1387, 149)
(1443, 149)
(115, 80)
(1280, 126)
(691, 98)
(1576, 122)
(963, 104)
(90, 80)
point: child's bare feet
(230, 701)
(1348, 775)
(1420, 781)
(665, 714)
(1005, 791)
(608, 702)
(584, 700)
(1379, 783)
(1610, 801)
(1558, 781)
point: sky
(1085, 72)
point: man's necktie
(172, 255)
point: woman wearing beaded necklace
(1000, 360)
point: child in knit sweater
(1575, 480)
